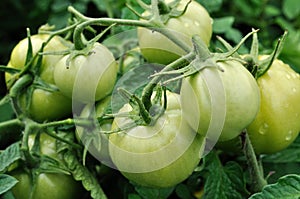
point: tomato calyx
(140, 114)
(203, 58)
(160, 11)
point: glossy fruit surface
(277, 123)
(240, 100)
(87, 78)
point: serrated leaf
(287, 187)
(9, 156)
(290, 10)
(6, 182)
(81, 173)
(223, 182)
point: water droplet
(288, 76)
(289, 135)
(263, 129)
(294, 90)
(186, 25)
(196, 23)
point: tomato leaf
(6, 182)
(9, 156)
(81, 173)
(225, 182)
(287, 187)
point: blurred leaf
(134, 196)
(287, 187)
(221, 25)
(183, 191)
(291, 50)
(211, 5)
(291, 8)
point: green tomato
(44, 105)
(161, 155)
(46, 185)
(47, 106)
(87, 78)
(241, 100)
(277, 123)
(157, 48)
(19, 53)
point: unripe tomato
(157, 48)
(47, 185)
(277, 124)
(44, 105)
(161, 155)
(87, 78)
(19, 53)
(241, 96)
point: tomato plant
(159, 144)
(276, 125)
(97, 69)
(156, 47)
(41, 184)
(241, 95)
(162, 155)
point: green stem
(29, 127)
(153, 24)
(147, 91)
(10, 124)
(256, 173)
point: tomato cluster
(158, 136)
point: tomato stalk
(260, 67)
(256, 172)
(153, 24)
(10, 124)
(29, 127)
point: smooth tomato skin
(174, 149)
(48, 185)
(277, 124)
(242, 100)
(157, 48)
(45, 105)
(87, 78)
